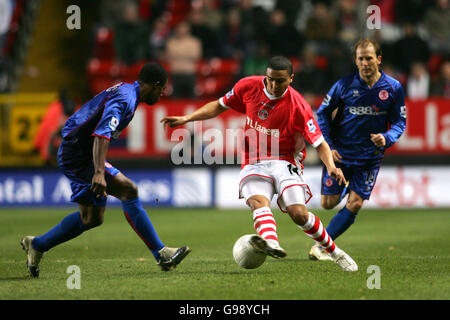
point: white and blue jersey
(361, 112)
(105, 115)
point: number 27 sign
(24, 122)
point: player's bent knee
(92, 216)
(131, 191)
(258, 201)
(298, 213)
(327, 205)
(354, 206)
(94, 222)
(328, 202)
(128, 191)
(355, 203)
(123, 188)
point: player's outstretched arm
(210, 110)
(326, 156)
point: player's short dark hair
(280, 63)
(153, 72)
(364, 43)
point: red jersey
(276, 127)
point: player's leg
(293, 194)
(346, 216)
(313, 228)
(257, 193)
(332, 194)
(361, 184)
(292, 200)
(70, 227)
(126, 191)
(78, 170)
(88, 216)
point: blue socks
(69, 228)
(72, 226)
(141, 224)
(341, 222)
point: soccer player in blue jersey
(362, 115)
(82, 158)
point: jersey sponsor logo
(230, 93)
(311, 126)
(262, 129)
(383, 94)
(113, 123)
(263, 114)
(366, 110)
(266, 105)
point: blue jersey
(361, 112)
(105, 115)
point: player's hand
(174, 121)
(378, 139)
(336, 156)
(337, 174)
(98, 185)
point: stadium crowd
(316, 34)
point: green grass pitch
(410, 247)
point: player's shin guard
(70, 227)
(265, 224)
(141, 224)
(315, 230)
(341, 222)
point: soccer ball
(245, 255)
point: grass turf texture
(411, 247)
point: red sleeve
(233, 99)
(306, 124)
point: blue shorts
(361, 179)
(79, 168)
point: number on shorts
(292, 169)
(370, 177)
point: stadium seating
(215, 76)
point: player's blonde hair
(364, 43)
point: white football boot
(318, 252)
(270, 248)
(344, 261)
(33, 256)
(169, 258)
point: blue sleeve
(113, 112)
(397, 118)
(324, 113)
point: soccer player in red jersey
(278, 122)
